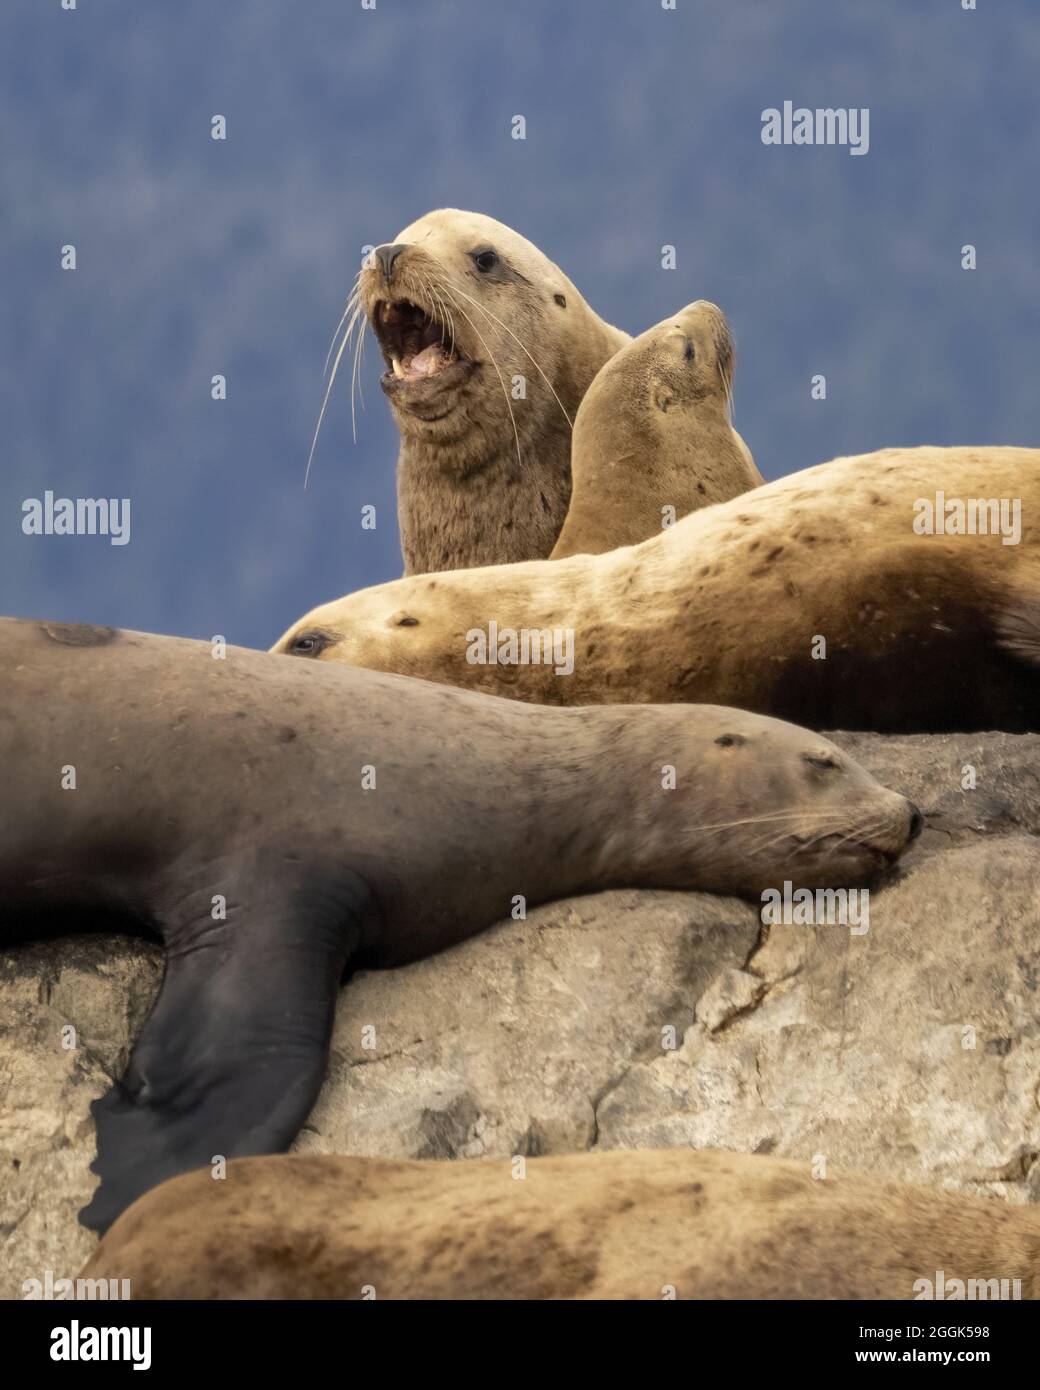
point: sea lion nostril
(386, 255)
(916, 822)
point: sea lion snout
(895, 828)
(853, 825)
(387, 255)
(905, 829)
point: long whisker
(774, 817)
(424, 300)
(807, 842)
(335, 337)
(856, 833)
(321, 413)
(523, 348)
(365, 323)
(430, 308)
(451, 324)
(358, 317)
(440, 311)
(444, 314)
(352, 298)
(494, 363)
(352, 309)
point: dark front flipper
(233, 1055)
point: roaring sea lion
(653, 437)
(620, 1224)
(489, 349)
(849, 596)
(276, 824)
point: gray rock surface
(630, 1019)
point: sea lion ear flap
(725, 359)
(234, 1052)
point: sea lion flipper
(233, 1054)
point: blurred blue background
(199, 257)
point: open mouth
(415, 346)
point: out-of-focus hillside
(199, 257)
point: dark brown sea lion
(276, 824)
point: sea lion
(276, 824)
(653, 438)
(820, 598)
(620, 1224)
(489, 349)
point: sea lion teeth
(395, 362)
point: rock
(102, 987)
(627, 1020)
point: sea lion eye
(309, 644)
(821, 760)
(560, 300)
(730, 740)
(688, 350)
(485, 260)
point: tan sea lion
(221, 800)
(653, 438)
(489, 349)
(620, 1224)
(845, 596)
